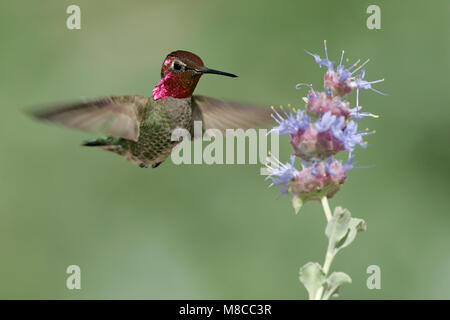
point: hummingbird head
(180, 73)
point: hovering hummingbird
(140, 128)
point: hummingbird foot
(156, 165)
(143, 165)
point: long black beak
(207, 70)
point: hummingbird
(140, 127)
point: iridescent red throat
(177, 85)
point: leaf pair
(341, 230)
(314, 278)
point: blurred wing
(222, 115)
(118, 116)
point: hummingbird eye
(177, 66)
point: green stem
(326, 208)
(330, 255)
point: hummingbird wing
(222, 115)
(117, 116)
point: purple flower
(323, 62)
(354, 113)
(351, 136)
(281, 174)
(348, 164)
(359, 83)
(321, 131)
(348, 134)
(324, 123)
(327, 136)
(328, 168)
(290, 123)
(343, 80)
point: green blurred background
(217, 232)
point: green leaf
(337, 227)
(297, 203)
(334, 281)
(342, 229)
(356, 225)
(312, 277)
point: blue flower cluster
(326, 127)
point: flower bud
(314, 181)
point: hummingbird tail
(106, 143)
(100, 142)
(93, 143)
